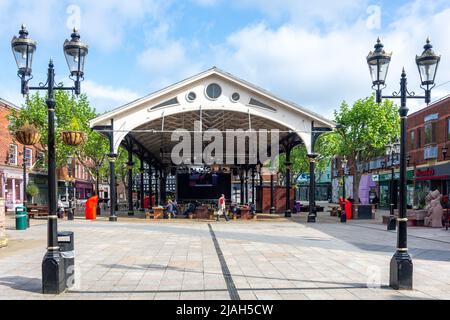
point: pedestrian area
(185, 259)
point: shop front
(12, 187)
(385, 183)
(84, 190)
(41, 181)
(429, 179)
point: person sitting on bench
(189, 209)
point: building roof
(212, 71)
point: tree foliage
(71, 113)
(365, 129)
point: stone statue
(434, 210)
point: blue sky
(310, 52)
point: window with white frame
(29, 157)
(12, 154)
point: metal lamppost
(344, 163)
(70, 214)
(392, 152)
(444, 151)
(23, 47)
(401, 273)
(25, 158)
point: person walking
(222, 208)
(169, 209)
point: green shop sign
(387, 176)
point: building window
(13, 154)
(412, 142)
(448, 129)
(213, 91)
(430, 133)
(29, 157)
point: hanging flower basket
(73, 138)
(27, 135)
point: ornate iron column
(261, 188)
(253, 184)
(288, 165)
(112, 175)
(246, 185)
(130, 178)
(141, 186)
(272, 195)
(150, 187)
(156, 188)
(241, 172)
(312, 188)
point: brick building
(11, 163)
(428, 134)
(428, 137)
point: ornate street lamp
(401, 273)
(23, 47)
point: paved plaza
(184, 259)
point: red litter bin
(91, 208)
(348, 209)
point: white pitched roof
(213, 71)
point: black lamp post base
(99, 211)
(311, 218)
(401, 274)
(113, 219)
(53, 274)
(131, 213)
(288, 214)
(142, 209)
(272, 211)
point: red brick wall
(416, 121)
(6, 139)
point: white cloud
(105, 98)
(168, 63)
(319, 69)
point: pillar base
(401, 273)
(311, 218)
(113, 219)
(142, 210)
(131, 213)
(343, 217)
(53, 274)
(272, 211)
(288, 214)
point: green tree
(300, 163)
(71, 113)
(366, 128)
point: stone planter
(3, 238)
(73, 138)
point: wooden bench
(33, 211)
(158, 213)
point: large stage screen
(203, 186)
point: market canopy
(211, 100)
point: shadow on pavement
(33, 285)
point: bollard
(67, 251)
(343, 216)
